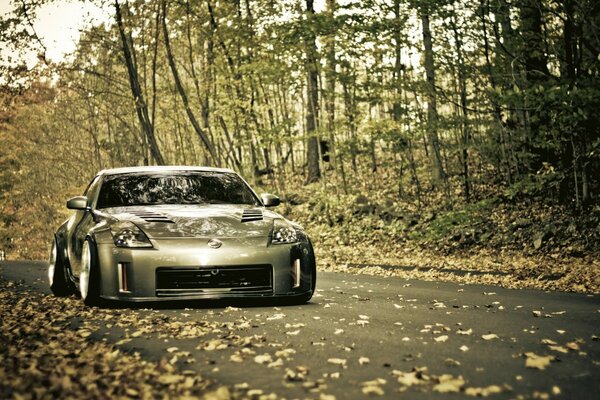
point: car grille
(174, 281)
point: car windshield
(185, 187)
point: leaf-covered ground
(45, 353)
(359, 337)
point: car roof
(161, 168)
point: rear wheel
(89, 277)
(58, 277)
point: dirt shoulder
(509, 269)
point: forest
(399, 132)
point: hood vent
(149, 216)
(252, 215)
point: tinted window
(174, 188)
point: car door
(79, 225)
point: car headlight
(127, 234)
(283, 233)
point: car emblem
(215, 243)
(214, 271)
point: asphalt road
(361, 329)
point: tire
(89, 277)
(58, 275)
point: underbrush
(525, 241)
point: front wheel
(58, 277)
(89, 277)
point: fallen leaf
(464, 348)
(537, 362)
(449, 384)
(363, 360)
(490, 336)
(373, 390)
(276, 317)
(441, 339)
(483, 391)
(263, 358)
(276, 364)
(167, 379)
(417, 376)
(285, 353)
(452, 362)
(324, 396)
(254, 393)
(573, 346)
(559, 349)
(337, 361)
(294, 326)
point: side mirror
(270, 200)
(77, 203)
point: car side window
(92, 190)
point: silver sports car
(165, 233)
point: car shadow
(205, 304)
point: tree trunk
(437, 170)
(199, 131)
(140, 105)
(398, 67)
(312, 110)
(465, 128)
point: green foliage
(547, 181)
(451, 224)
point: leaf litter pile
(43, 356)
(55, 347)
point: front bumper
(135, 274)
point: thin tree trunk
(437, 170)
(312, 111)
(466, 135)
(140, 105)
(199, 131)
(500, 138)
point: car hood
(201, 221)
